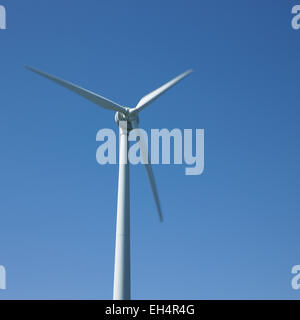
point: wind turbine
(129, 116)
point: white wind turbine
(130, 117)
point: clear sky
(231, 233)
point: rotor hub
(127, 118)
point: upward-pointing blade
(148, 166)
(93, 97)
(149, 98)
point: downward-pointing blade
(148, 166)
(154, 189)
(91, 96)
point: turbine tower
(127, 119)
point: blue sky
(231, 233)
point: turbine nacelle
(130, 118)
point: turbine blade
(149, 98)
(93, 97)
(154, 189)
(148, 166)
